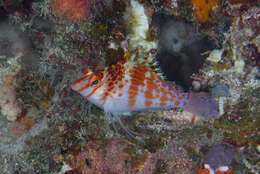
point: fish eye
(95, 82)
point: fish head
(89, 83)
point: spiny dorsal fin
(147, 60)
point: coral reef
(94, 159)
(120, 157)
(16, 46)
(246, 114)
(245, 34)
(8, 103)
(12, 41)
(21, 126)
(45, 127)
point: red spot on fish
(164, 84)
(148, 95)
(163, 98)
(148, 103)
(151, 86)
(180, 98)
(163, 91)
(163, 104)
(137, 75)
(86, 72)
(177, 103)
(94, 90)
(115, 74)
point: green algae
(84, 26)
(219, 67)
(242, 125)
(137, 160)
(193, 154)
(196, 132)
(98, 30)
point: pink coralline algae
(119, 157)
(72, 9)
(96, 159)
(8, 100)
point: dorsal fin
(148, 60)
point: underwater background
(201, 46)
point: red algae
(203, 171)
(73, 9)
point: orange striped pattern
(118, 87)
(137, 77)
(151, 86)
(127, 82)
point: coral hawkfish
(135, 86)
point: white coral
(137, 19)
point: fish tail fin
(203, 104)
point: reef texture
(204, 46)
(8, 103)
(245, 34)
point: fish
(129, 86)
